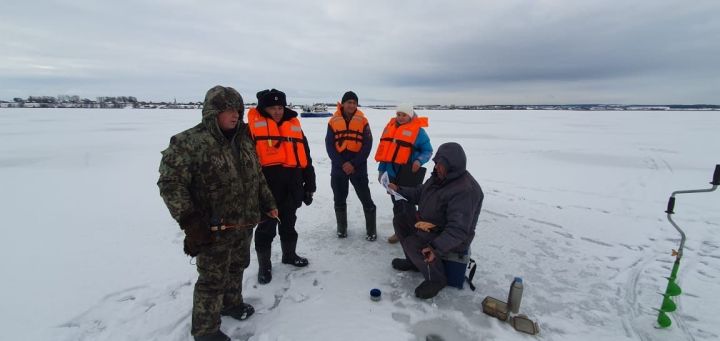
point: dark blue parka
(358, 160)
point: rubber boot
(289, 256)
(428, 289)
(264, 267)
(403, 264)
(341, 216)
(370, 228)
(241, 312)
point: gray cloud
(421, 51)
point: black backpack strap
(472, 266)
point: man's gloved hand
(308, 198)
(197, 233)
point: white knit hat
(406, 108)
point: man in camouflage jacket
(213, 185)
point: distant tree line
(73, 101)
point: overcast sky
(445, 52)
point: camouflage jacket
(203, 172)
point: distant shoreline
(195, 106)
(131, 102)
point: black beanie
(348, 96)
(270, 97)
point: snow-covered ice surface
(574, 204)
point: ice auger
(673, 289)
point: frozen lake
(574, 204)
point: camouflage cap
(220, 98)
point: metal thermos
(515, 295)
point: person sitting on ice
(449, 204)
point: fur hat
(348, 96)
(406, 108)
(270, 97)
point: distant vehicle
(315, 110)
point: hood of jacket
(452, 155)
(217, 100)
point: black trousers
(266, 231)
(340, 187)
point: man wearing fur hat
(212, 183)
(348, 142)
(284, 154)
(449, 204)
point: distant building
(68, 98)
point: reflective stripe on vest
(348, 137)
(283, 145)
(396, 142)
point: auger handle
(716, 176)
(671, 206)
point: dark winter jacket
(208, 176)
(452, 204)
(358, 160)
(290, 184)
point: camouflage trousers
(219, 285)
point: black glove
(308, 198)
(197, 234)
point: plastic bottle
(515, 295)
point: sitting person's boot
(264, 267)
(240, 312)
(289, 256)
(428, 289)
(403, 264)
(216, 336)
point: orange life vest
(396, 142)
(348, 135)
(275, 145)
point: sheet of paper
(385, 181)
